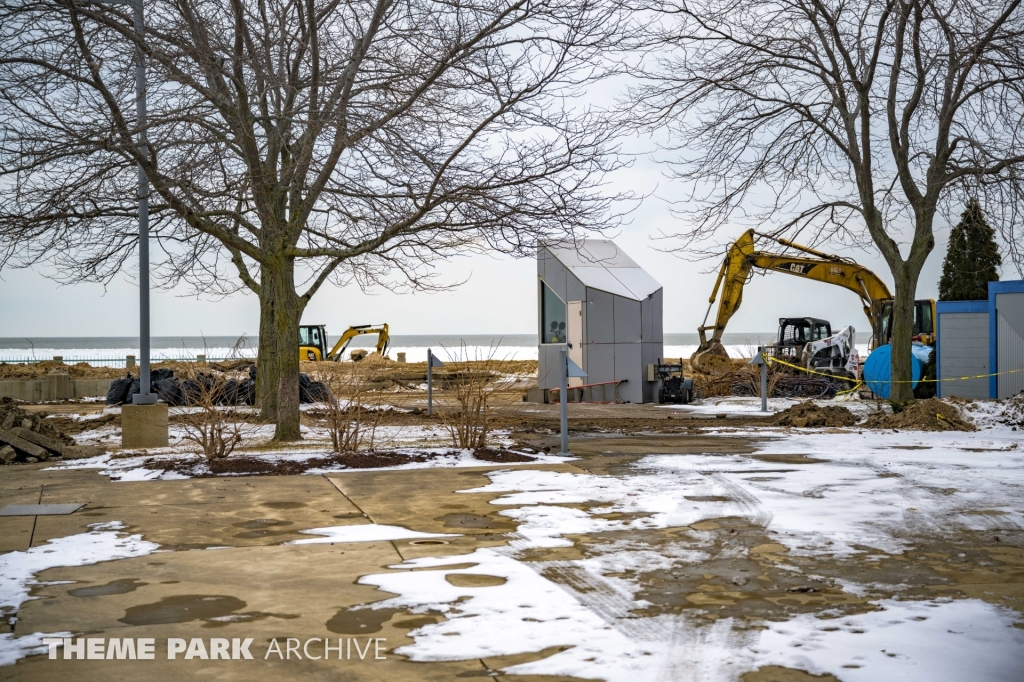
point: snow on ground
(941, 639)
(817, 493)
(18, 570)
(747, 406)
(365, 532)
(134, 467)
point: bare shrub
(353, 412)
(478, 387)
(215, 427)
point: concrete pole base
(144, 426)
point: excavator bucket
(710, 358)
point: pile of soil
(932, 414)
(38, 370)
(809, 414)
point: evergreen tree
(972, 259)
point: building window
(553, 314)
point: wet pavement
(671, 556)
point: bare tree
(293, 142)
(843, 120)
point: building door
(574, 334)
(1009, 344)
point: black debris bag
(312, 391)
(228, 393)
(117, 393)
(246, 392)
(160, 374)
(202, 387)
(168, 389)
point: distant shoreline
(414, 340)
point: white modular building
(595, 298)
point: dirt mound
(932, 414)
(38, 370)
(810, 414)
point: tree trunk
(277, 387)
(902, 334)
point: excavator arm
(740, 262)
(383, 339)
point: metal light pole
(568, 369)
(144, 397)
(563, 399)
(759, 360)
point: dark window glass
(553, 315)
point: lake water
(113, 349)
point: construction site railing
(127, 362)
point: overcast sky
(499, 298)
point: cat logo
(795, 268)
(835, 270)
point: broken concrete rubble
(31, 438)
(24, 446)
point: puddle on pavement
(183, 608)
(413, 623)
(359, 621)
(789, 459)
(477, 521)
(122, 586)
(245, 617)
(283, 505)
(474, 580)
(258, 524)
(262, 528)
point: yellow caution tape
(804, 369)
(888, 381)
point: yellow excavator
(313, 341)
(743, 257)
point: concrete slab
(236, 511)
(15, 533)
(301, 592)
(397, 498)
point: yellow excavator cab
(313, 341)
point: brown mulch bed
(504, 456)
(258, 466)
